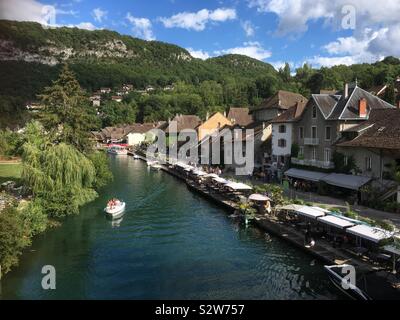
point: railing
(311, 141)
(313, 163)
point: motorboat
(136, 157)
(154, 165)
(377, 284)
(337, 274)
(117, 150)
(115, 208)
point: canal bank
(171, 244)
(322, 250)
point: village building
(374, 147)
(283, 132)
(212, 124)
(105, 90)
(116, 98)
(325, 118)
(277, 104)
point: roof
(310, 212)
(240, 116)
(336, 222)
(339, 107)
(184, 122)
(305, 174)
(281, 100)
(381, 130)
(141, 128)
(238, 186)
(370, 233)
(292, 114)
(347, 181)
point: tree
(13, 238)
(59, 175)
(115, 113)
(67, 114)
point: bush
(13, 238)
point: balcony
(313, 163)
(311, 141)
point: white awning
(336, 222)
(199, 173)
(370, 233)
(310, 212)
(259, 197)
(221, 180)
(347, 181)
(321, 209)
(290, 207)
(238, 186)
(305, 174)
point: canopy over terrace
(238, 186)
(305, 174)
(370, 233)
(221, 180)
(336, 222)
(259, 197)
(346, 181)
(309, 212)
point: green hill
(31, 57)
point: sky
(319, 32)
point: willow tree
(59, 176)
(67, 114)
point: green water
(170, 244)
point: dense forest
(105, 58)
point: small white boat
(117, 150)
(136, 157)
(115, 210)
(154, 165)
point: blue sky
(320, 32)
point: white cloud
(376, 33)
(248, 28)
(200, 54)
(98, 14)
(141, 27)
(84, 25)
(198, 20)
(23, 10)
(250, 49)
(294, 15)
(387, 41)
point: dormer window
(314, 112)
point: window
(368, 163)
(282, 128)
(314, 154)
(327, 133)
(327, 155)
(314, 132)
(301, 151)
(314, 112)
(301, 133)
(282, 143)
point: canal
(171, 244)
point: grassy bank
(10, 171)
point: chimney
(207, 116)
(225, 114)
(362, 108)
(346, 90)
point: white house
(139, 133)
(282, 133)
